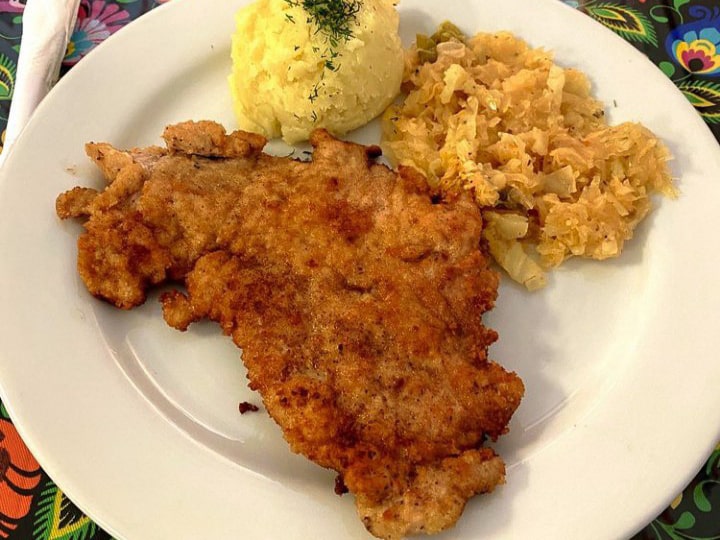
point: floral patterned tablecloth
(682, 37)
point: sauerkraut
(494, 116)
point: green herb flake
(427, 45)
(334, 20)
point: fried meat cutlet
(355, 293)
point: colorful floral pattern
(681, 36)
(694, 45)
(631, 23)
(96, 21)
(31, 505)
(19, 476)
(12, 6)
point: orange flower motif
(19, 475)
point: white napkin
(47, 28)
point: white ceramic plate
(139, 425)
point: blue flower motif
(695, 46)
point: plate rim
(147, 21)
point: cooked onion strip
(491, 115)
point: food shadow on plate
(197, 381)
(517, 317)
(206, 77)
(570, 341)
(414, 21)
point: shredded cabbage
(491, 115)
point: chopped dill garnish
(334, 20)
(290, 18)
(314, 94)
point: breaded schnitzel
(355, 293)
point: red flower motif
(12, 6)
(696, 60)
(101, 13)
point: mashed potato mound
(290, 76)
(553, 180)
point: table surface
(682, 37)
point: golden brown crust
(210, 139)
(355, 295)
(436, 497)
(75, 203)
